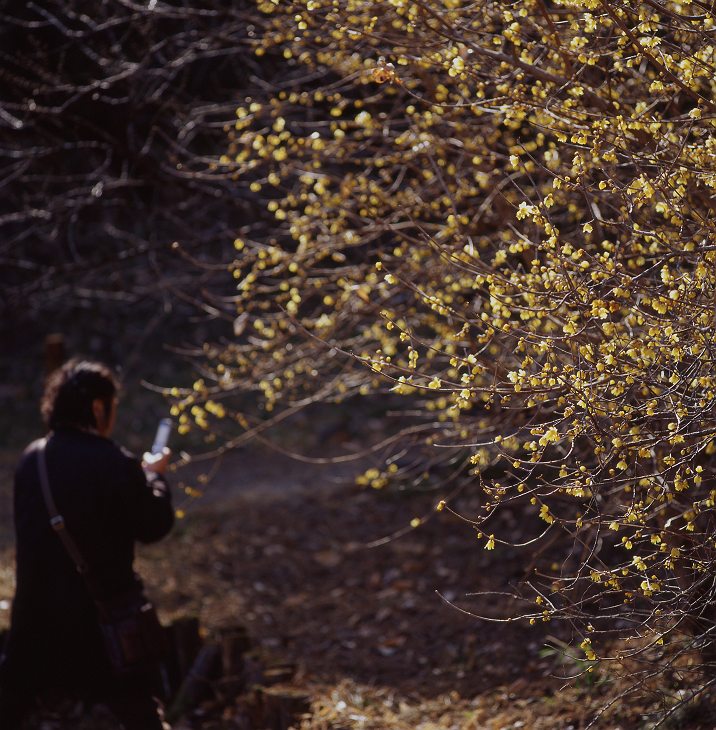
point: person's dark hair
(70, 391)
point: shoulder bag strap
(56, 519)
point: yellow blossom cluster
(505, 213)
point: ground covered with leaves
(369, 612)
(333, 579)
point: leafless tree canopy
(109, 114)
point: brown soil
(331, 578)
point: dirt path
(305, 573)
(305, 560)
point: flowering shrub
(504, 212)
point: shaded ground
(299, 556)
(299, 569)
(332, 578)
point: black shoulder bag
(133, 636)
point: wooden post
(55, 352)
(283, 706)
(198, 684)
(235, 642)
(185, 642)
(279, 674)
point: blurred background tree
(500, 215)
(110, 118)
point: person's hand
(156, 462)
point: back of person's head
(71, 390)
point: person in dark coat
(109, 500)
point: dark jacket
(108, 504)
